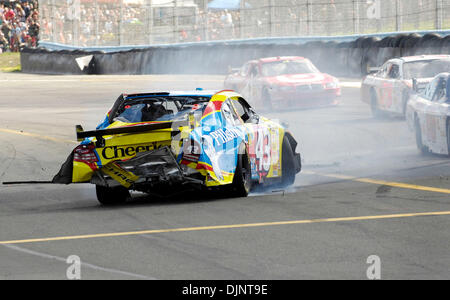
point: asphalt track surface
(365, 190)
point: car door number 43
(262, 150)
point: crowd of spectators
(222, 24)
(106, 24)
(114, 22)
(89, 24)
(213, 25)
(19, 24)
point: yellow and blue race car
(158, 143)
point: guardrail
(341, 56)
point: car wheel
(266, 100)
(287, 164)
(419, 142)
(376, 112)
(111, 195)
(242, 181)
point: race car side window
(394, 71)
(429, 91)
(384, 70)
(440, 93)
(239, 108)
(244, 110)
(229, 114)
(254, 70)
(245, 69)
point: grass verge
(10, 62)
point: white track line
(87, 265)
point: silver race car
(388, 90)
(428, 114)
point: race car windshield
(288, 67)
(425, 69)
(160, 109)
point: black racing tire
(111, 195)
(242, 181)
(419, 142)
(376, 112)
(287, 164)
(266, 100)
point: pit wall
(345, 56)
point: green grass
(10, 62)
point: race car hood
(299, 79)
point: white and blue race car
(428, 114)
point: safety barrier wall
(340, 58)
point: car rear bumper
(146, 170)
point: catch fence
(88, 23)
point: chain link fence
(145, 22)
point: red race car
(283, 83)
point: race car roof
(196, 93)
(280, 58)
(423, 57)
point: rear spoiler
(99, 134)
(81, 135)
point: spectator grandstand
(19, 24)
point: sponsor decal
(223, 136)
(261, 151)
(374, 9)
(275, 152)
(191, 150)
(191, 157)
(125, 178)
(114, 152)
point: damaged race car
(428, 115)
(159, 143)
(288, 82)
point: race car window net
(243, 110)
(160, 108)
(430, 89)
(440, 95)
(287, 67)
(229, 114)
